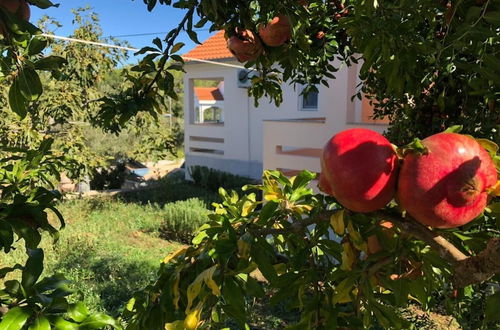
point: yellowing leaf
(280, 268)
(194, 288)
(193, 319)
(193, 291)
(337, 222)
(243, 249)
(490, 146)
(343, 291)
(271, 196)
(248, 207)
(348, 256)
(174, 255)
(495, 190)
(175, 290)
(356, 238)
(177, 325)
(209, 281)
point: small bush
(171, 189)
(212, 179)
(182, 219)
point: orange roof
(208, 94)
(214, 48)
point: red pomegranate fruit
(276, 32)
(245, 46)
(359, 168)
(446, 186)
(19, 7)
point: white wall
(243, 129)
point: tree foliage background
(426, 64)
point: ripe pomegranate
(276, 32)
(19, 7)
(359, 168)
(447, 186)
(245, 46)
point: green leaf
(267, 211)
(15, 318)
(492, 17)
(44, 4)
(303, 179)
(29, 83)
(6, 236)
(157, 42)
(253, 288)
(491, 312)
(6, 270)
(454, 129)
(31, 236)
(99, 321)
(264, 261)
(33, 268)
(490, 146)
(50, 63)
(37, 45)
(193, 36)
(41, 323)
(62, 324)
(17, 101)
(176, 47)
(78, 312)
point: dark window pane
(310, 101)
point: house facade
(249, 139)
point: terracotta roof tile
(208, 94)
(214, 48)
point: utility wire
(95, 43)
(147, 34)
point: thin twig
(170, 43)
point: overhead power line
(147, 34)
(101, 44)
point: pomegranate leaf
(454, 129)
(490, 146)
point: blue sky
(122, 17)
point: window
(208, 101)
(309, 101)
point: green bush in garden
(182, 219)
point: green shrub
(182, 219)
(171, 189)
(211, 179)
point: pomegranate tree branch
(297, 226)
(445, 249)
(479, 268)
(172, 36)
(467, 269)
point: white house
(246, 139)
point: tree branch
(170, 42)
(445, 249)
(467, 269)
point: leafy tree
(419, 57)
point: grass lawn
(109, 249)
